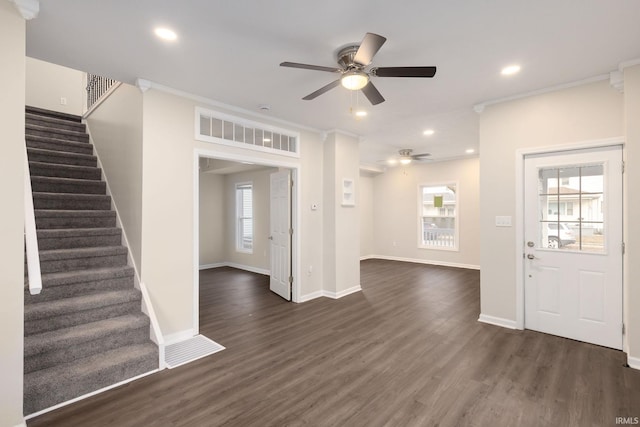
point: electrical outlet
(63, 101)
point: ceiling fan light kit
(353, 60)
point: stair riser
(83, 263)
(62, 171)
(61, 159)
(55, 124)
(53, 114)
(86, 349)
(50, 144)
(97, 187)
(50, 293)
(39, 398)
(78, 137)
(75, 222)
(62, 203)
(79, 317)
(79, 242)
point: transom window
(212, 126)
(438, 206)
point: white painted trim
(214, 265)
(479, 108)
(497, 321)
(34, 273)
(178, 336)
(207, 101)
(22, 424)
(442, 183)
(519, 197)
(342, 293)
(426, 261)
(366, 257)
(155, 331)
(627, 64)
(84, 396)
(633, 362)
(309, 297)
(250, 268)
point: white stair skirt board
(189, 350)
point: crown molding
(29, 9)
(616, 80)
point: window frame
(240, 219)
(420, 220)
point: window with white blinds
(244, 217)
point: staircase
(85, 330)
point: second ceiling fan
(353, 61)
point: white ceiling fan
(405, 156)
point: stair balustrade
(97, 88)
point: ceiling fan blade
(372, 94)
(420, 156)
(322, 90)
(311, 67)
(369, 46)
(404, 71)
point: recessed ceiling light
(165, 34)
(429, 132)
(470, 151)
(510, 70)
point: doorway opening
(246, 217)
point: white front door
(280, 235)
(573, 245)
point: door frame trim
(521, 154)
(296, 196)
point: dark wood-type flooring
(406, 351)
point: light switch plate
(503, 221)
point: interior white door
(280, 235)
(573, 245)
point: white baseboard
(208, 266)
(250, 268)
(366, 257)
(497, 321)
(22, 424)
(312, 295)
(343, 293)
(633, 362)
(424, 261)
(178, 336)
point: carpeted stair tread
(68, 135)
(78, 238)
(52, 261)
(48, 387)
(54, 144)
(61, 158)
(61, 339)
(54, 122)
(50, 113)
(83, 303)
(71, 201)
(64, 171)
(49, 184)
(61, 278)
(56, 219)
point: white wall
(168, 199)
(259, 258)
(632, 207)
(396, 222)
(212, 219)
(116, 131)
(588, 112)
(341, 229)
(366, 216)
(12, 102)
(47, 83)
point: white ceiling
(231, 51)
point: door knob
(531, 256)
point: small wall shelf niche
(348, 192)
